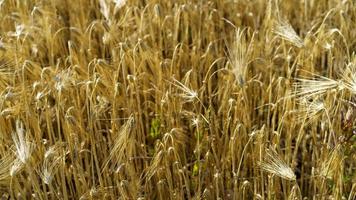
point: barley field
(178, 99)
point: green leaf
(155, 128)
(195, 169)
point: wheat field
(178, 99)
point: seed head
(188, 94)
(22, 144)
(319, 85)
(274, 164)
(284, 30)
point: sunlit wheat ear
(124, 145)
(273, 163)
(105, 9)
(56, 150)
(53, 158)
(49, 168)
(118, 4)
(310, 109)
(63, 80)
(20, 30)
(284, 30)
(188, 94)
(349, 77)
(16, 167)
(319, 85)
(238, 56)
(195, 122)
(22, 144)
(332, 164)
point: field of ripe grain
(178, 99)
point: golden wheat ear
(118, 5)
(295, 193)
(310, 109)
(239, 55)
(123, 146)
(23, 146)
(53, 160)
(331, 165)
(349, 77)
(274, 164)
(315, 86)
(6, 163)
(285, 31)
(187, 94)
